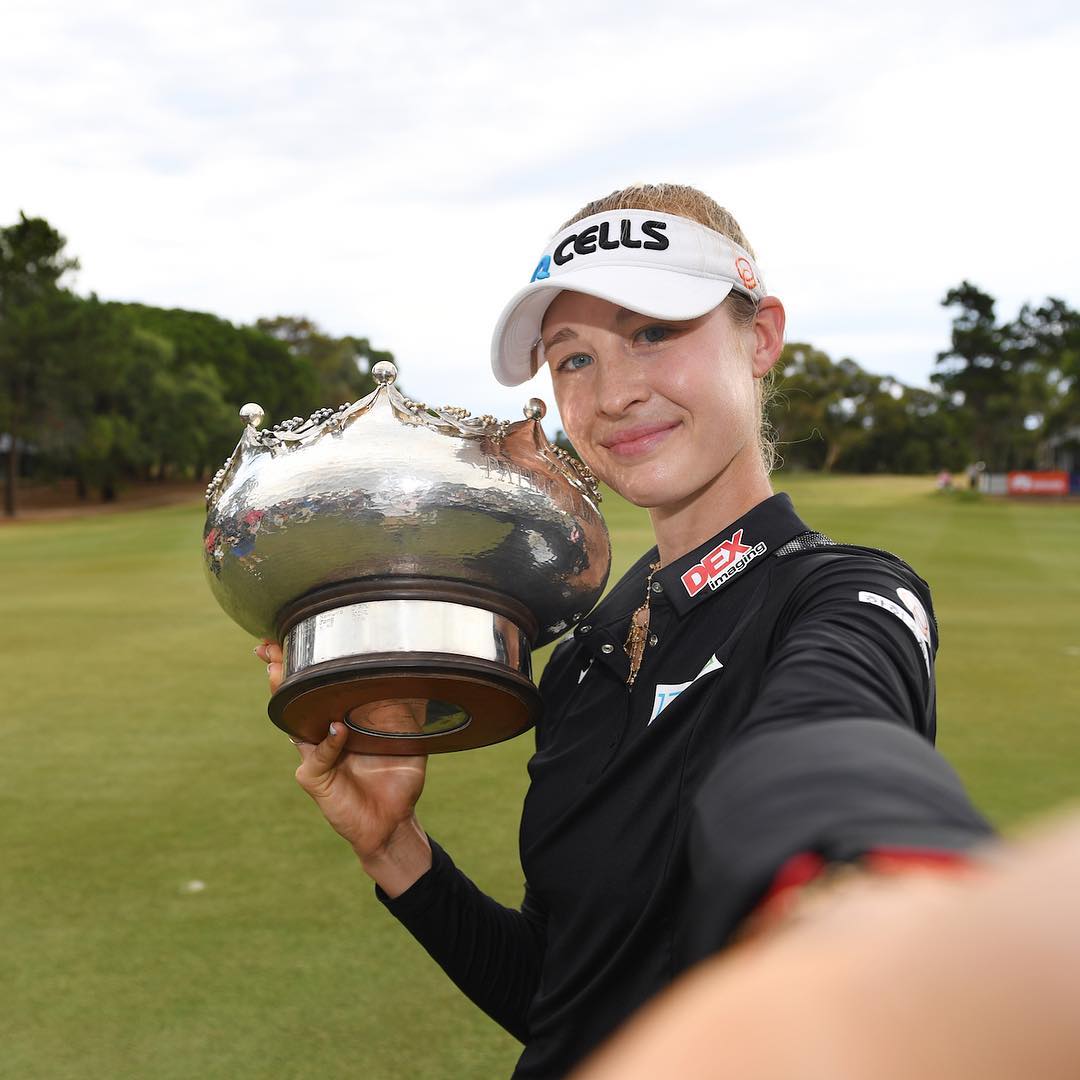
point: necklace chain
(639, 630)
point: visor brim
(651, 291)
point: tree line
(1003, 392)
(105, 392)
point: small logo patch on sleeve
(914, 618)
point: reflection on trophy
(408, 559)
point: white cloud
(394, 170)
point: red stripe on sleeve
(800, 870)
(900, 860)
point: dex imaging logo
(723, 562)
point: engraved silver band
(405, 626)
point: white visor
(660, 265)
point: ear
(768, 334)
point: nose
(621, 383)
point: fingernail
(294, 740)
(333, 729)
(256, 650)
(268, 669)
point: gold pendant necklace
(639, 630)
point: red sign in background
(1038, 483)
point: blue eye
(574, 362)
(652, 335)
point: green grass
(139, 759)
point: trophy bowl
(408, 560)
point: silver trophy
(409, 560)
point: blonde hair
(686, 201)
(679, 199)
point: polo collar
(728, 556)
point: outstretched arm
(834, 763)
(972, 977)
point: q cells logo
(723, 562)
(605, 236)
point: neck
(683, 526)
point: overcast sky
(394, 170)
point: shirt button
(584, 629)
(657, 587)
(607, 649)
(653, 639)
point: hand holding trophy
(408, 560)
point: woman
(748, 706)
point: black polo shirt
(784, 704)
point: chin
(649, 492)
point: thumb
(319, 759)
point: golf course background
(171, 903)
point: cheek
(574, 413)
(728, 392)
(571, 411)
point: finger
(320, 759)
(303, 747)
(276, 674)
(269, 652)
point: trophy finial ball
(384, 373)
(535, 409)
(252, 414)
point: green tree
(908, 430)
(93, 428)
(1047, 338)
(991, 381)
(251, 365)
(836, 416)
(37, 316)
(818, 407)
(125, 407)
(342, 365)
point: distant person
(944, 480)
(750, 705)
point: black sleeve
(491, 952)
(835, 756)
(856, 637)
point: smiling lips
(638, 440)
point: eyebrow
(565, 334)
(622, 316)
